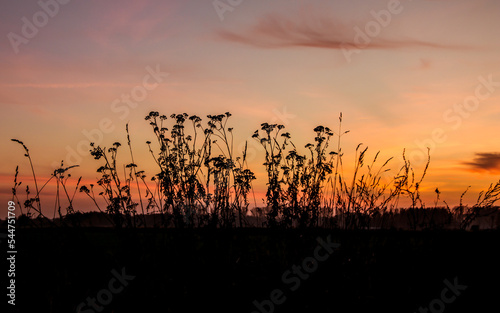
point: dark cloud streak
(275, 31)
(485, 162)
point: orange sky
(407, 74)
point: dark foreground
(105, 270)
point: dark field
(215, 270)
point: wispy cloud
(485, 162)
(274, 31)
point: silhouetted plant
(202, 182)
(36, 199)
(61, 179)
(117, 195)
(193, 181)
(316, 171)
(411, 188)
(485, 200)
(275, 154)
(134, 175)
(34, 203)
(17, 184)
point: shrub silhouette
(202, 182)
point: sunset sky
(407, 74)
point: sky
(406, 75)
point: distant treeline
(401, 219)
